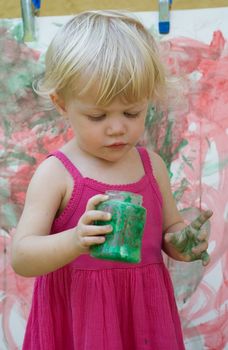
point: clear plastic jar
(128, 220)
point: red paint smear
(208, 112)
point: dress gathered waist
(86, 262)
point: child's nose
(116, 127)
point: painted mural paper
(192, 137)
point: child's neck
(128, 169)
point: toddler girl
(102, 72)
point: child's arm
(34, 251)
(181, 242)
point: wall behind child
(191, 137)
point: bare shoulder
(48, 185)
(44, 196)
(49, 174)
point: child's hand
(87, 233)
(192, 242)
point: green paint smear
(7, 128)
(19, 80)
(23, 156)
(166, 148)
(4, 188)
(178, 194)
(17, 32)
(14, 28)
(210, 169)
(187, 161)
(9, 214)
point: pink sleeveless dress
(93, 304)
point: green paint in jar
(128, 220)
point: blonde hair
(109, 50)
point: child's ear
(59, 103)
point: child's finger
(88, 241)
(169, 237)
(94, 215)
(205, 257)
(200, 248)
(174, 238)
(95, 200)
(93, 230)
(201, 219)
(203, 235)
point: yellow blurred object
(8, 9)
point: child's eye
(96, 118)
(131, 115)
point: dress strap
(67, 163)
(76, 194)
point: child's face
(106, 132)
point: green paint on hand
(187, 239)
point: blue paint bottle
(164, 16)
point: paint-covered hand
(192, 241)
